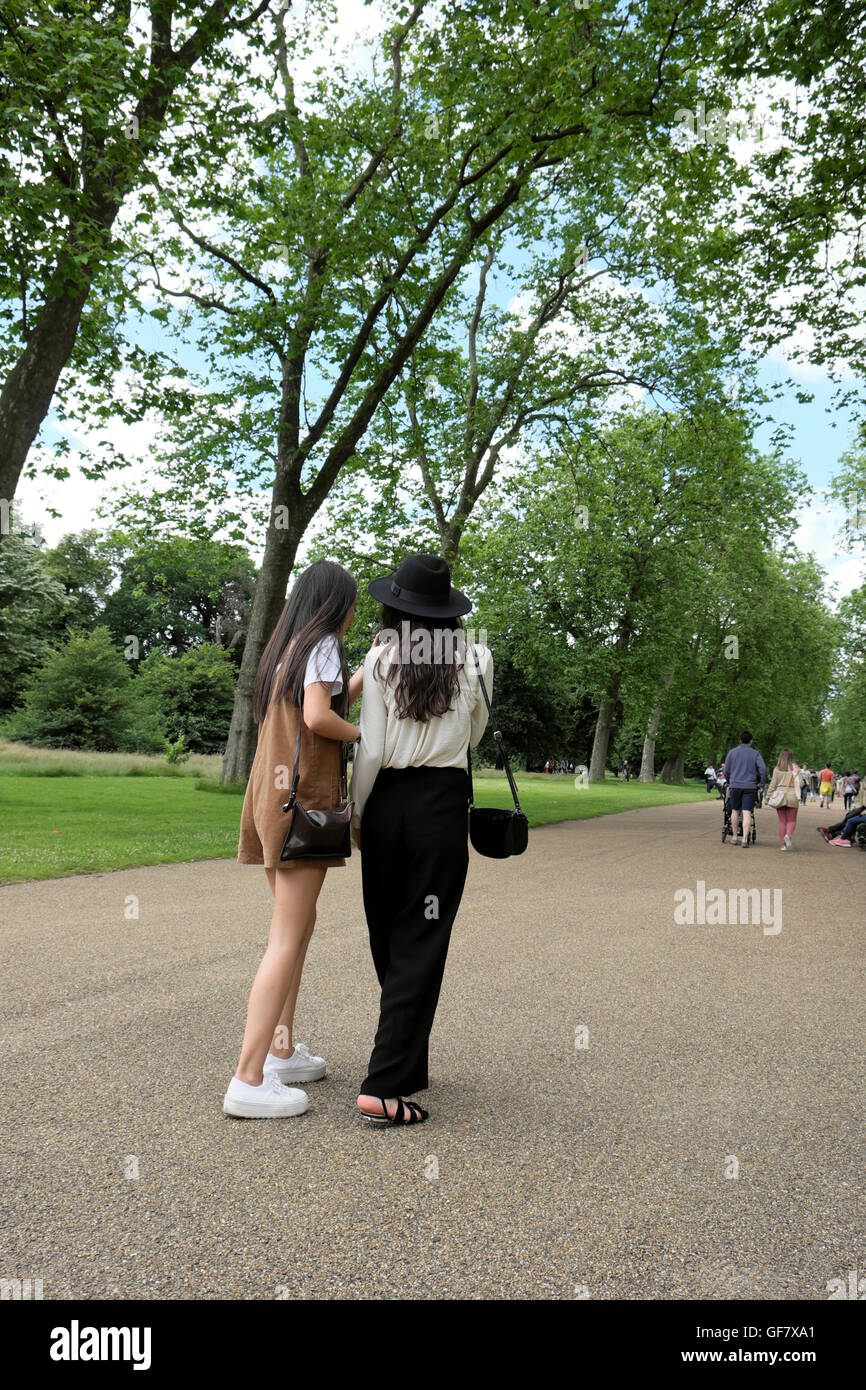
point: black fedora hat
(421, 585)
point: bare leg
(735, 824)
(282, 1043)
(295, 894)
(747, 825)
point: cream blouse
(388, 741)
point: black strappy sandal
(416, 1114)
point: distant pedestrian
(710, 776)
(783, 794)
(826, 786)
(805, 783)
(746, 771)
(847, 791)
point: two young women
(422, 709)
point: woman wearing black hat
(422, 709)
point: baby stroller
(726, 816)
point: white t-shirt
(323, 664)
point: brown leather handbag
(315, 834)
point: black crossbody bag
(493, 832)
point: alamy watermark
(853, 1288)
(717, 127)
(20, 1290)
(443, 646)
(856, 512)
(77, 1343)
(714, 907)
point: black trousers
(414, 857)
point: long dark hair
(317, 606)
(423, 690)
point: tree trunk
(29, 388)
(281, 548)
(648, 758)
(598, 758)
(672, 771)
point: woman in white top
(302, 686)
(422, 710)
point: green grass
(547, 798)
(20, 760)
(94, 819)
(81, 825)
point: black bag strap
(296, 771)
(499, 740)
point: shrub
(83, 697)
(193, 695)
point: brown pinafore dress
(264, 824)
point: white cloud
(820, 531)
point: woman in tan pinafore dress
(302, 679)
(263, 822)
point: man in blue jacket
(746, 771)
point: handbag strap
(499, 740)
(296, 771)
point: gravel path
(547, 1170)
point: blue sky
(818, 437)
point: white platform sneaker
(301, 1066)
(271, 1100)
